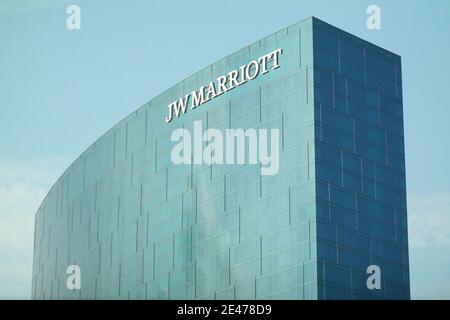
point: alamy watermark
(374, 280)
(73, 21)
(73, 281)
(374, 20)
(230, 147)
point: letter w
(180, 105)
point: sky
(61, 89)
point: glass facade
(141, 227)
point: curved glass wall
(140, 226)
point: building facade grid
(141, 227)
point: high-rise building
(327, 224)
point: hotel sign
(233, 79)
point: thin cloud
(23, 185)
(429, 237)
(14, 7)
(429, 221)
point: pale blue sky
(60, 90)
